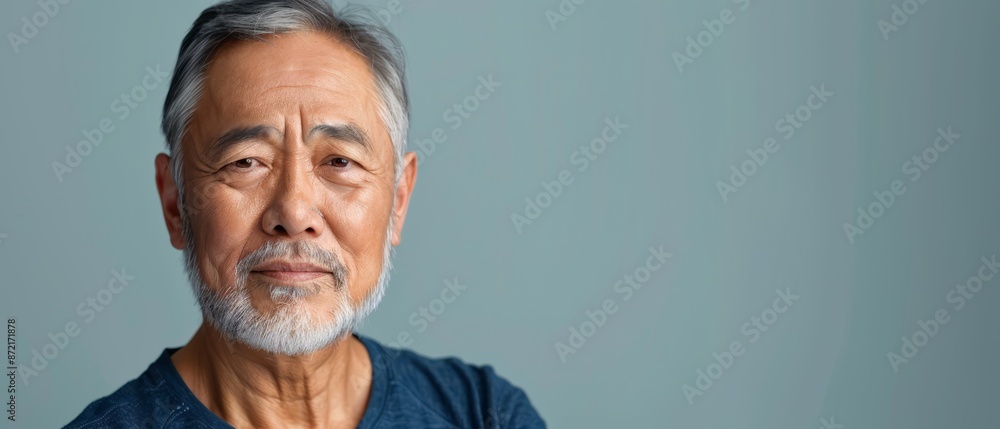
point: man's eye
(340, 162)
(243, 163)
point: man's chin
(293, 328)
(287, 304)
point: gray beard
(291, 329)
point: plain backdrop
(690, 126)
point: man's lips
(295, 276)
(289, 271)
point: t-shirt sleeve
(511, 408)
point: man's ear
(169, 200)
(401, 200)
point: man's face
(286, 147)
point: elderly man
(286, 187)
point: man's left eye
(340, 162)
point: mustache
(302, 251)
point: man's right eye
(243, 163)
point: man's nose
(293, 210)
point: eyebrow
(235, 136)
(348, 132)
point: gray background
(825, 358)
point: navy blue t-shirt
(408, 391)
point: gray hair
(253, 19)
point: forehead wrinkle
(337, 70)
(333, 60)
(327, 79)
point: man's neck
(250, 388)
